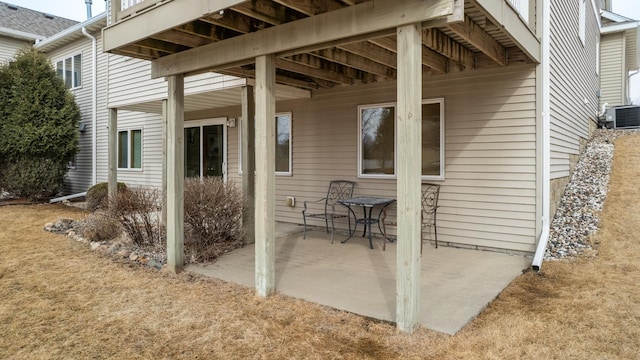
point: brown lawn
(60, 300)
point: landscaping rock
(94, 245)
(578, 215)
(133, 256)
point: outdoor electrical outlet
(291, 201)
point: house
(507, 99)
(21, 27)
(619, 48)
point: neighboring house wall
(488, 195)
(79, 177)
(574, 85)
(9, 47)
(613, 79)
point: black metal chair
(338, 190)
(430, 194)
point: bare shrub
(98, 226)
(138, 212)
(213, 218)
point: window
(130, 149)
(70, 71)
(283, 144)
(377, 147)
(582, 20)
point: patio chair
(338, 190)
(430, 194)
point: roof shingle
(30, 21)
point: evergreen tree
(38, 127)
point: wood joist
(362, 61)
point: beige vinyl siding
(130, 82)
(79, 178)
(9, 47)
(488, 195)
(612, 73)
(574, 82)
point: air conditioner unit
(624, 116)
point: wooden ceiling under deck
(474, 43)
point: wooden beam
(505, 17)
(112, 154)
(312, 7)
(184, 39)
(430, 58)
(281, 79)
(236, 21)
(356, 61)
(268, 11)
(442, 44)
(319, 63)
(166, 16)
(265, 141)
(480, 39)
(163, 217)
(247, 125)
(335, 26)
(160, 46)
(201, 29)
(372, 52)
(175, 173)
(409, 167)
(331, 76)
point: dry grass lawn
(59, 300)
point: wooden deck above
(224, 36)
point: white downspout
(94, 105)
(546, 138)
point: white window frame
(64, 72)
(440, 101)
(130, 149)
(582, 20)
(278, 173)
(290, 171)
(209, 122)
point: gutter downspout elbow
(94, 106)
(541, 248)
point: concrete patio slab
(457, 284)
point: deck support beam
(112, 154)
(409, 167)
(175, 173)
(265, 145)
(248, 131)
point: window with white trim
(130, 149)
(70, 71)
(283, 144)
(377, 140)
(582, 18)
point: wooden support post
(175, 173)
(112, 154)
(265, 143)
(248, 163)
(163, 217)
(114, 9)
(409, 129)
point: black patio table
(367, 202)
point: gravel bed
(578, 215)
